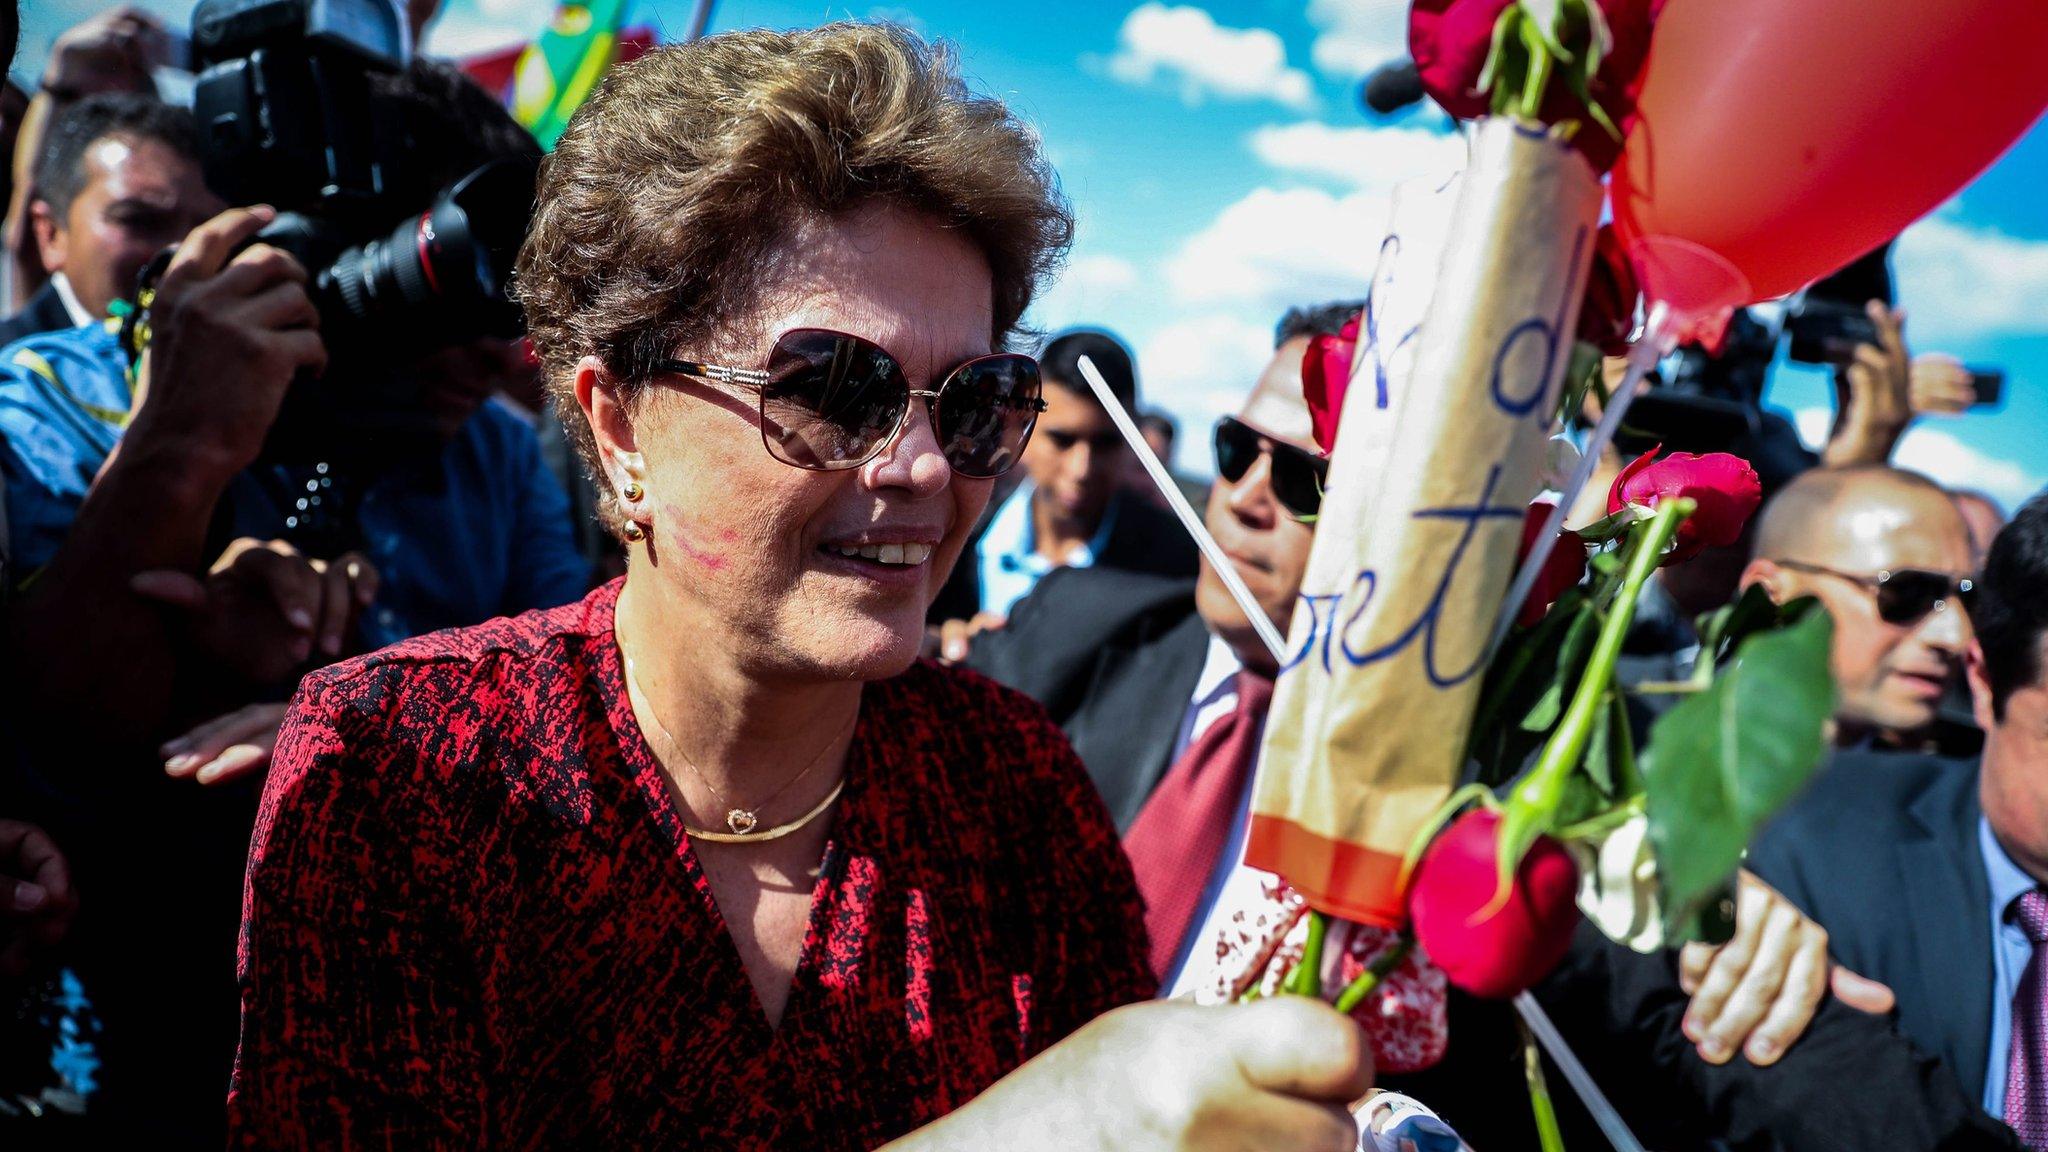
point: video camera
(283, 102)
(1706, 401)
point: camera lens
(438, 278)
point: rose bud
(1325, 374)
(1608, 317)
(1562, 569)
(1724, 487)
(1450, 41)
(1511, 947)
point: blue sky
(1221, 169)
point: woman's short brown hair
(664, 204)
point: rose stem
(1539, 1093)
(1307, 979)
(1355, 993)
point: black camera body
(286, 116)
(283, 101)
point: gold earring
(633, 492)
(634, 532)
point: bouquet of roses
(1564, 814)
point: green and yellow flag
(558, 71)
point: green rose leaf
(1726, 759)
(1523, 686)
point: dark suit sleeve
(1850, 1084)
(1026, 653)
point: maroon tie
(2026, 1075)
(1185, 825)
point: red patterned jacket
(473, 920)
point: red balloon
(1781, 139)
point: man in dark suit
(1927, 872)
(1136, 668)
(117, 180)
(1072, 509)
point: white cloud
(468, 31)
(1095, 289)
(1813, 425)
(1356, 36)
(1185, 47)
(1200, 367)
(1964, 283)
(1943, 457)
(1277, 248)
(530, 13)
(1363, 158)
(1955, 464)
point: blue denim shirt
(480, 531)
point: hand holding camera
(1878, 377)
(228, 335)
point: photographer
(158, 593)
(443, 495)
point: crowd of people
(762, 708)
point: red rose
(1518, 944)
(1325, 374)
(1450, 40)
(1608, 317)
(1562, 569)
(1725, 487)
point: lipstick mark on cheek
(714, 560)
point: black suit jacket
(44, 312)
(1145, 538)
(1883, 852)
(1114, 657)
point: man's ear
(611, 425)
(1980, 687)
(50, 235)
(1766, 573)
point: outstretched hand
(1276, 1075)
(264, 610)
(226, 748)
(1757, 993)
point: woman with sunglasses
(709, 859)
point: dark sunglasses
(1296, 475)
(830, 401)
(1905, 595)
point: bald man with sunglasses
(1889, 555)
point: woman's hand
(1276, 1075)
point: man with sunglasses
(1162, 687)
(1928, 872)
(1888, 554)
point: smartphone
(1989, 384)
